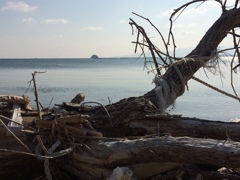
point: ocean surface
(112, 79)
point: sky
(80, 28)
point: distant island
(94, 56)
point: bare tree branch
(178, 72)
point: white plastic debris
(121, 173)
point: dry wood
(69, 105)
(36, 94)
(163, 149)
(179, 72)
(7, 120)
(146, 170)
(137, 117)
(80, 131)
(142, 152)
(74, 120)
(183, 126)
(23, 100)
(75, 172)
(95, 172)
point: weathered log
(14, 99)
(23, 100)
(105, 155)
(146, 170)
(194, 172)
(183, 126)
(139, 117)
(15, 165)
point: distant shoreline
(75, 58)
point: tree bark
(183, 126)
(105, 155)
(15, 100)
(201, 54)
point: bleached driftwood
(23, 100)
(102, 156)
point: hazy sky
(80, 28)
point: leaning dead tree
(173, 73)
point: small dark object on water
(94, 56)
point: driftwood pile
(125, 140)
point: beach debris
(16, 116)
(16, 124)
(78, 98)
(121, 173)
(13, 99)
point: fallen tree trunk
(183, 126)
(139, 117)
(103, 156)
(97, 156)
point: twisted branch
(204, 52)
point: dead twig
(36, 93)
(236, 54)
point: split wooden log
(104, 155)
(23, 100)
(183, 126)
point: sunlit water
(110, 79)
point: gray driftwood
(23, 100)
(184, 126)
(103, 156)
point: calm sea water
(111, 79)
